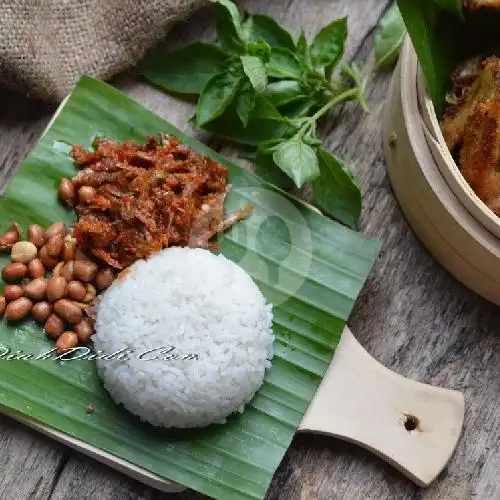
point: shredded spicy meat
(147, 197)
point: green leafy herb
(271, 31)
(303, 49)
(283, 92)
(283, 63)
(266, 91)
(389, 38)
(188, 70)
(297, 159)
(216, 96)
(335, 190)
(328, 45)
(245, 103)
(266, 168)
(229, 27)
(256, 72)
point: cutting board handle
(413, 426)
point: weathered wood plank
(412, 315)
(30, 463)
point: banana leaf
(310, 267)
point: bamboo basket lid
(447, 216)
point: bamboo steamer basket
(457, 228)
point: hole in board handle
(411, 423)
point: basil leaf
(455, 7)
(229, 28)
(259, 48)
(284, 92)
(303, 50)
(283, 64)
(336, 191)
(389, 38)
(328, 45)
(247, 152)
(256, 72)
(245, 103)
(269, 171)
(187, 70)
(265, 123)
(270, 30)
(304, 107)
(216, 96)
(297, 159)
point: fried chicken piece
(485, 88)
(473, 5)
(480, 153)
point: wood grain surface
(412, 316)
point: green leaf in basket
(311, 268)
(389, 38)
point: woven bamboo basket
(460, 231)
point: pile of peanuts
(58, 301)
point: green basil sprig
(266, 91)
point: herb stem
(348, 94)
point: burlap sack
(46, 45)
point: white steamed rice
(201, 305)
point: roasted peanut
(56, 228)
(86, 194)
(104, 278)
(91, 293)
(54, 326)
(18, 309)
(36, 234)
(10, 237)
(76, 290)
(47, 260)
(84, 331)
(66, 191)
(57, 270)
(67, 341)
(14, 271)
(3, 305)
(23, 251)
(81, 255)
(13, 292)
(36, 289)
(69, 250)
(82, 305)
(56, 288)
(68, 311)
(68, 270)
(55, 245)
(41, 311)
(85, 270)
(36, 269)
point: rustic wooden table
(412, 316)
